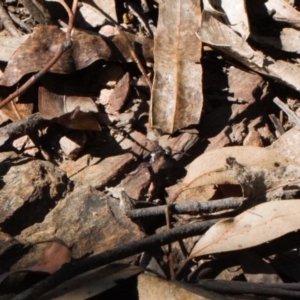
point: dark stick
(189, 207)
(150, 243)
(239, 288)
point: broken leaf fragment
(177, 88)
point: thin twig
(7, 22)
(170, 253)
(289, 112)
(150, 243)
(66, 45)
(188, 207)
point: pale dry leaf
(288, 144)
(253, 227)
(207, 6)
(222, 37)
(8, 45)
(235, 16)
(177, 88)
(108, 6)
(89, 16)
(283, 12)
(287, 40)
(208, 168)
(165, 289)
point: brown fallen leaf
(176, 100)
(36, 51)
(260, 224)
(70, 111)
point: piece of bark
(73, 167)
(99, 175)
(118, 97)
(26, 145)
(30, 189)
(72, 143)
(86, 220)
(7, 242)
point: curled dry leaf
(45, 41)
(177, 90)
(253, 227)
(70, 111)
(208, 168)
